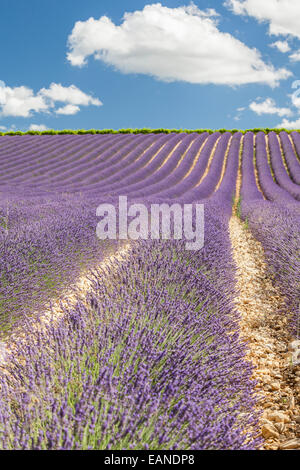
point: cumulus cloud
(23, 102)
(239, 113)
(295, 97)
(38, 127)
(71, 95)
(20, 101)
(295, 57)
(69, 109)
(3, 128)
(295, 100)
(282, 46)
(286, 124)
(268, 106)
(282, 15)
(171, 44)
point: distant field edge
(143, 131)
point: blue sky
(173, 64)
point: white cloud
(179, 44)
(269, 107)
(38, 127)
(69, 109)
(295, 100)
(239, 113)
(3, 128)
(295, 57)
(282, 46)
(71, 95)
(286, 124)
(282, 15)
(20, 101)
(23, 102)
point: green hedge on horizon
(141, 131)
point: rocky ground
(264, 327)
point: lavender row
(277, 227)
(115, 154)
(223, 197)
(146, 363)
(292, 161)
(280, 172)
(135, 161)
(25, 169)
(167, 179)
(44, 243)
(296, 141)
(271, 190)
(249, 189)
(22, 156)
(79, 161)
(17, 144)
(41, 151)
(163, 170)
(147, 165)
(195, 174)
(99, 172)
(48, 156)
(50, 163)
(208, 185)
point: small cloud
(70, 95)
(3, 128)
(286, 124)
(295, 57)
(23, 102)
(20, 101)
(69, 109)
(269, 107)
(282, 46)
(38, 127)
(239, 112)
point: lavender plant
(150, 360)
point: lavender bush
(275, 224)
(45, 242)
(152, 359)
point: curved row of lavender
(45, 242)
(136, 165)
(289, 147)
(151, 360)
(277, 227)
(280, 173)
(275, 224)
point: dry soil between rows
(69, 298)
(264, 328)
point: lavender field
(142, 344)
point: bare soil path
(67, 299)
